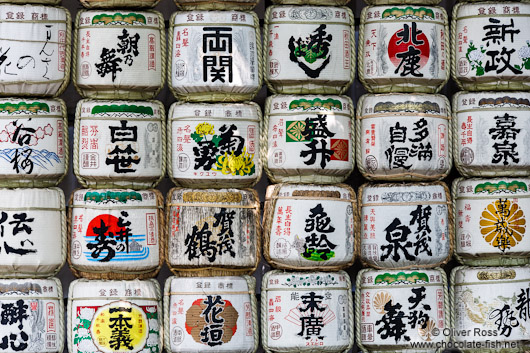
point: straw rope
(215, 94)
(450, 226)
(312, 2)
(311, 176)
(215, 5)
(433, 85)
(309, 86)
(217, 269)
(94, 4)
(268, 219)
(213, 182)
(109, 273)
(120, 92)
(105, 182)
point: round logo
(278, 157)
(85, 69)
(442, 163)
(180, 70)
(177, 335)
(275, 331)
(76, 249)
(371, 163)
(282, 248)
(119, 327)
(183, 162)
(274, 68)
(463, 67)
(467, 156)
(370, 68)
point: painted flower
(503, 224)
(87, 313)
(83, 332)
(476, 55)
(204, 129)
(153, 324)
(236, 165)
(524, 52)
(86, 346)
(152, 340)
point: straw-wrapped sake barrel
(310, 227)
(490, 221)
(33, 142)
(116, 233)
(403, 137)
(214, 56)
(489, 307)
(114, 316)
(119, 54)
(397, 309)
(405, 226)
(35, 50)
(32, 313)
(243, 5)
(210, 314)
(491, 133)
(490, 47)
(214, 145)
(404, 48)
(32, 231)
(310, 49)
(119, 143)
(213, 232)
(118, 3)
(308, 139)
(306, 312)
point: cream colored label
(404, 226)
(119, 49)
(491, 217)
(120, 139)
(405, 43)
(308, 43)
(491, 42)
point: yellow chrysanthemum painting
(503, 224)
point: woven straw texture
(405, 175)
(268, 218)
(28, 181)
(401, 85)
(483, 259)
(124, 181)
(213, 182)
(304, 176)
(120, 92)
(110, 273)
(93, 4)
(358, 316)
(307, 85)
(215, 5)
(265, 312)
(67, 65)
(450, 226)
(251, 282)
(215, 95)
(214, 270)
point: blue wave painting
(136, 250)
(43, 158)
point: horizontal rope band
(214, 118)
(208, 24)
(156, 28)
(117, 298)
(266, 289)
(211, 205)
(52, 209)
(402, 114)
(250, 292)
(492, 198)
(310, 198)
(488, 282)
(150, 207)
(97, 118)
(311, 113)
(415, 203)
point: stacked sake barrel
(35, 60)
(491, 117)
(307, 150)
(214, 231)
(403, 134)
(116, 233)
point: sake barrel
(490, 133)
(490, 46)
(214, 145)
(414, 229)
(405, 48)
(306, 312)
(216, 4)
(310, 49)
(32, 314)
(308, 139)
(114, 316)
(403, 137)
(396, 309)
(211, 314)
(215, 56)
(35, 50)
(119, 54)
(33, 142)
(119, 143)
(116, 233)
(490, 221)
(33, 232)
(310, 227)
(489, 307)
(213, 232)
(118, 3)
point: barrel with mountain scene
(118, 3)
